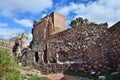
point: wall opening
(45, 54)
(36, 57)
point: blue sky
(17, 16)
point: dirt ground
(50, 76)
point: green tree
(78, 21)
(86, 21)
(73, 23)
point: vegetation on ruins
(78, 21)
(8, 66)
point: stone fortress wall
(86, 47)
(5, 45)
(48, 26)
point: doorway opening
(36, 57)
(45, 54)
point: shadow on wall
(36, 57)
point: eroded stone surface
(6, 45)
(20, 44)
(49, 25)
(89, 47)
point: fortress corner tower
(49, 25)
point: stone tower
(49, 25)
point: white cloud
(43, 15)
(3, 24)
(24, 22)
(10, 7)
(97, 11)
(7, 33)
(67, 9)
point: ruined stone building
(85, 47)
(49, 25)
(15, 44)
(5, 45)
(20, 44)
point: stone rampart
(88, 47)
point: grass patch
(9, 66)
(31, 77)
(14, 75)
(38, 78)
(83, 74)
(109, 76)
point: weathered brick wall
(4, 45)
(73, 44)
(76, 46)
(86, 47)
(59, 22)
(112, 46)
(49, 25)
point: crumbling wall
(49, 25)
(20, 44)
(114, 47)
(89, 47)
(72, 44)
(59, 22)
(77, 46)
(110, 46)
(5, 45)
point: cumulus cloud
(97, 11)
(10, 7)
(24, 22)
(66, 10)
(3, 24)
(7, 33)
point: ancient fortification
(88, 47)
(15, 45)
(5, 45)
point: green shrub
(5, 64)
(14, 75)
(7, 69)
